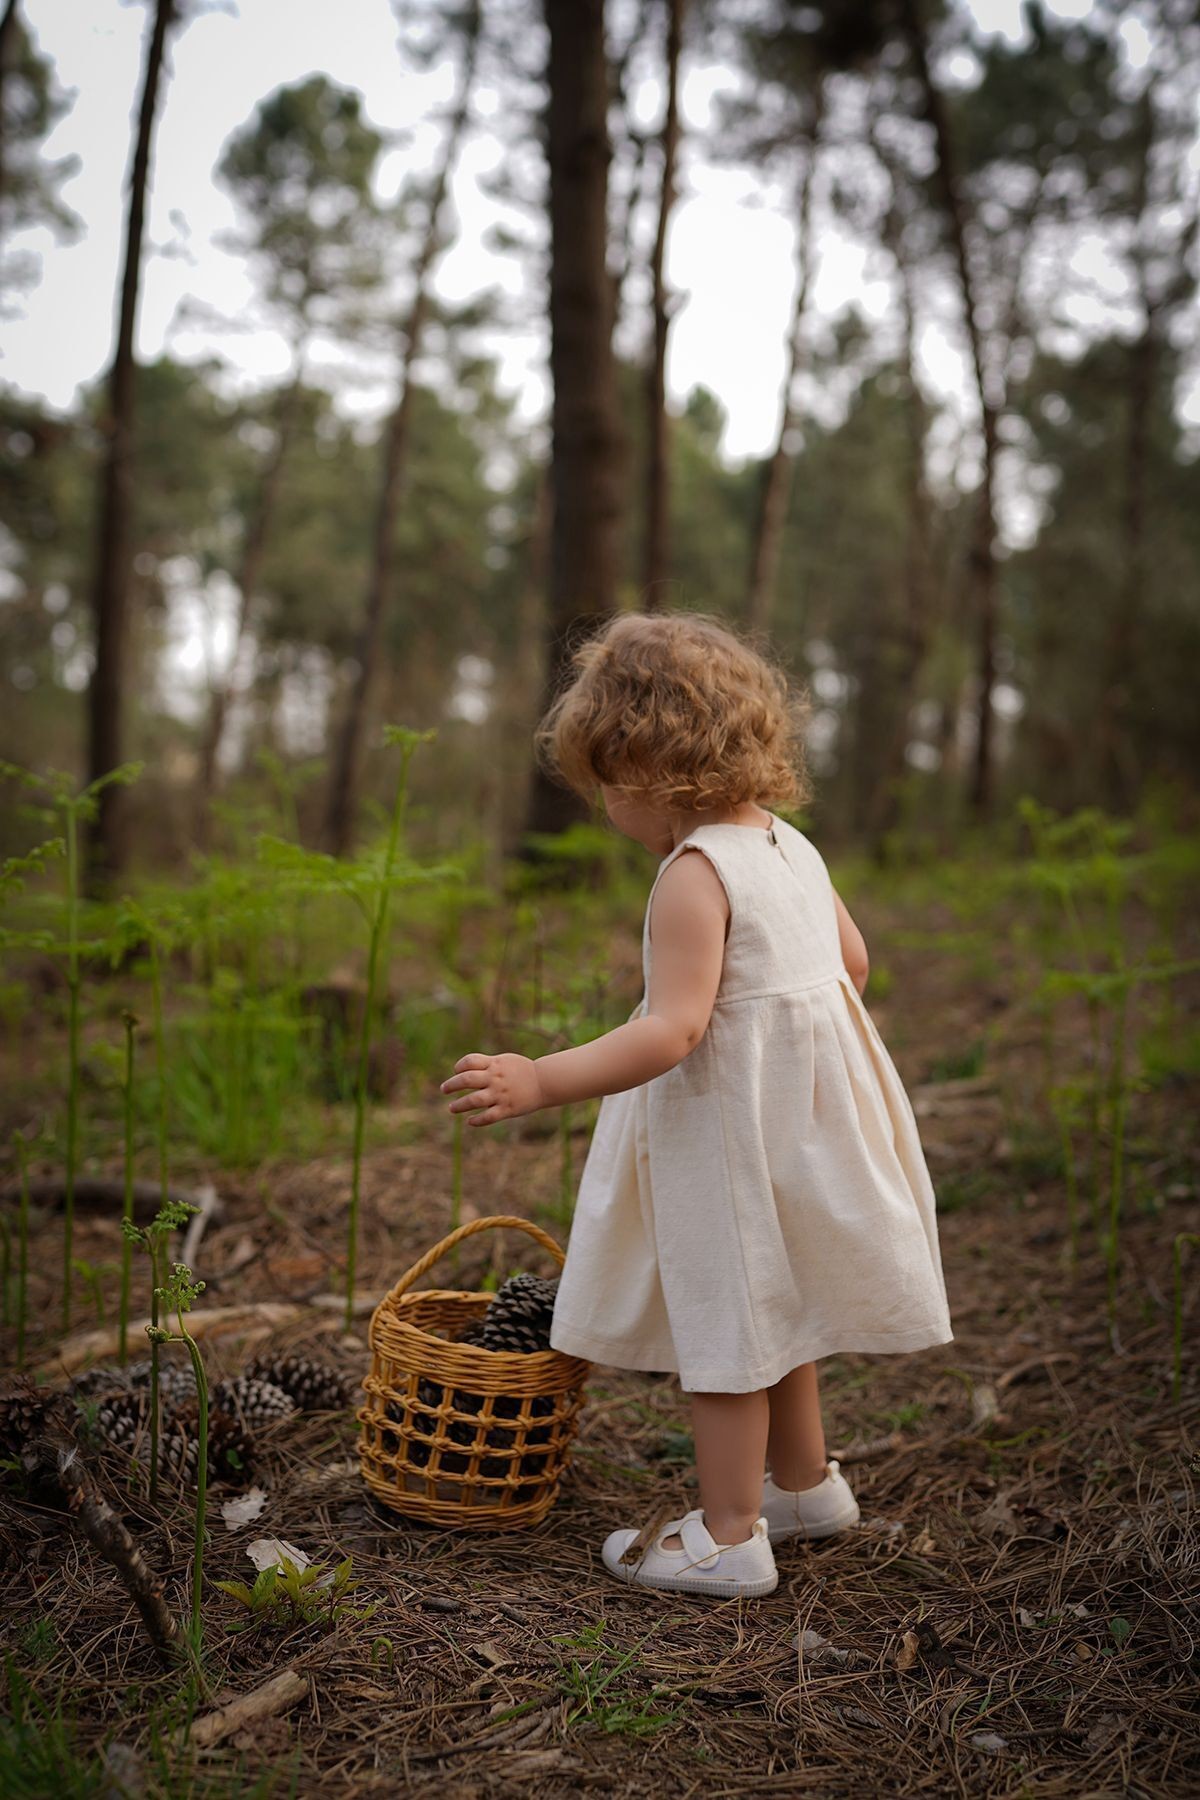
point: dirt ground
(1014, 1616)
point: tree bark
(915, 628)
(250, 568)
(588, 452)
(656, 559)
(982, 553)
(114, 555)
(347, 754)
(9, 28)
(777, 478)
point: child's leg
(796, 1440)
(730, 1431)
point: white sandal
(700, 1565)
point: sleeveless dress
(767, 1201)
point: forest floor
(1010, 1619)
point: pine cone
(123, 1420)
(22, 1414)
(519, 1317)
(176, 1382)
(314, 1386)
(255, 1402)
(230, 1449)
(230, 1445)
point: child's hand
(494, 1087)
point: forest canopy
(972, 533)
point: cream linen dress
(766, 1202)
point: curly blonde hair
(676, 710)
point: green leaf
(1120, 1629)
(237, 1590)
(264, 1588)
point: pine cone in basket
(314, 1386)
(254, 1401)
(519, 1317)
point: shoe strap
(697, 1539)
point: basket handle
(495, 1223)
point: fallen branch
(874, 1447)
(98, 1346)
(265, 1702)
(52, 1459)
(103, 1190)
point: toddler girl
(755, 1195)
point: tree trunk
(110, 592)
(915, 629)
(9, 39)
(982, 554)
(253, 552)
(777, 479)
(347, 754)
(588, 447)
(656, 559)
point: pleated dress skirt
(766, 1202)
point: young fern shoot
(179, 1294)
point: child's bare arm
(854, 948)
(687, 934)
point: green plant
(171, 1216)
(130, 1024)
(369, 881)
(158, 931)
(591, 1689)
(93, 1276)
(74, 806)
(285, 1595)
(38, 1752)
(181, 1292)
(22, 1149)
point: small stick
(265, 1702)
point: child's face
(646, 825)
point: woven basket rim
(389, 1311)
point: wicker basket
(455, 1434)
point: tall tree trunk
(914, 629)
(777, 478)
(110, 591)
(10, 27)
(982, 554)
(588, 447)
(656, 557)
(635, 141)
(347, 754)
(253, 551)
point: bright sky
(730, 254)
